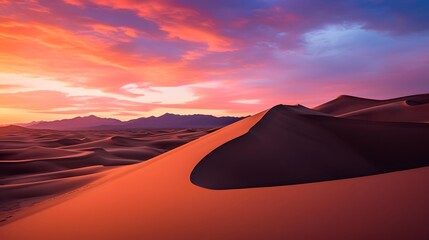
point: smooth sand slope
(36, 165)
(157, 200)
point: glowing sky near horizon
(129, 58)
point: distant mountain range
(87, 122)
(166, 121)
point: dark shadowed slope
(347, 104)
(293, 144)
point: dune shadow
(296, 145)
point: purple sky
(128, 58)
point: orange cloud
(74, 2)
(91, 55)
(35, 100)
(23, 38)
(42, 101)
(9, 86)
(203, 56)
(59, 53)
(123, 34)
(184, 23)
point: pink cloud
(261, 52)
(42, 101)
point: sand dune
(109, 142)
(377, 170)
(141, 153)
(347, 104)
(38, 164)
(23, 193)
(30, 178)
(34, 152)
(293, 144)
(401, 111)
(344, 104)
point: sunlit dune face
(126, 58)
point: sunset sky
(129, 58)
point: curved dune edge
(401, 111)
(156, 200)
(379, 110)
(42, 165)
(296, 145)
(114, 174)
